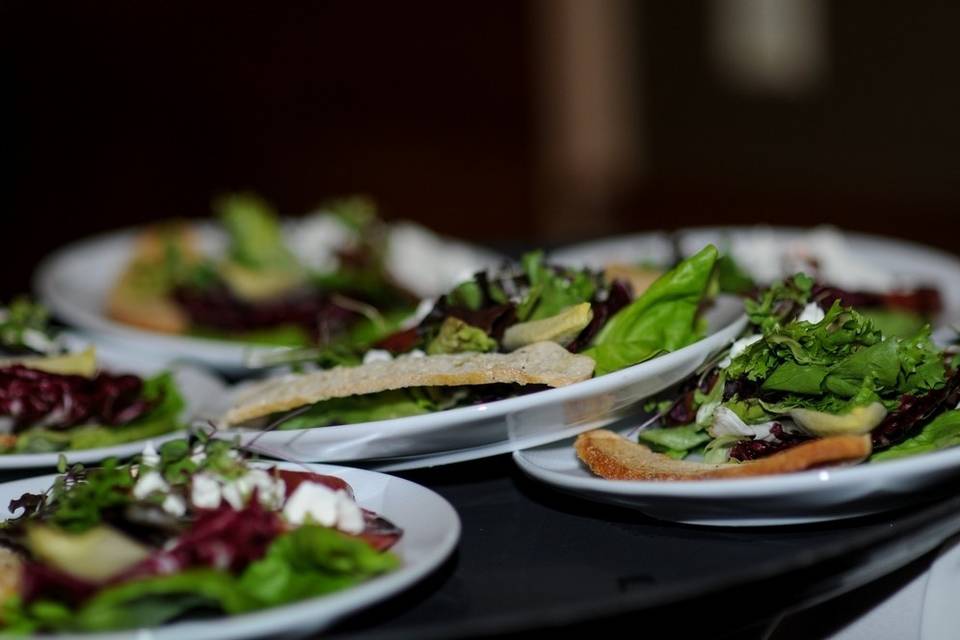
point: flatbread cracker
(613, 457)
(541, 363)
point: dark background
(117, 113)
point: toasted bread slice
(140, 295)
(640, 278)
(613, 457)
(541, 363)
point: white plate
(873, 261)
(197, 388)
(509, 424)
(74, 283)
(431, 529)
(791, 498)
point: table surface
(533, 558)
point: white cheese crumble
(149, 455)
(205, 491)
(208, 491)
(377, 355)
(316, 239)
(811, 313)
(149, 483)
(175, 505)
(320, 504)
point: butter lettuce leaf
(664, 318)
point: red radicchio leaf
(618, 296)
(30, 396)
(924, 300)
(223, 538)
(40, 580)
(217, 307)
(754, 449)
(914, 411)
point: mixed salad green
(261, 290)
(193, 528)
(514, 307)
(52, 400)
(809, 368)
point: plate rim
(758, 486)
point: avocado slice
(83, 363)
(859, 420)
(96, 554)
(259, 284)
(561, 328)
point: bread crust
(613, 457)
(151, 308)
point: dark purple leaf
(618, 296)
(753, 449)
(914, 411)
(31, 397)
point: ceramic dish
(74, 283)
(790, 498)
(867, 261)
(431, 530)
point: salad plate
(196, 386)
(787, 499)
(430, 532)
(500, 426)
(850, 260)
(75, 282)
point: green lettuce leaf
(895, 323)
(254, 231)
(311, 561)
(940, 433)
(163, 418)
(552, 290)
(781, 300)
(677, 439)
(731, 278)
(384, 405)
(306, 562)
(664, 318)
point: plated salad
(191, 529)
(52, 400)
(758, 257)
(516, 330)
(325, 280)
(811, 383)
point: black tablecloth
(531, 558)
